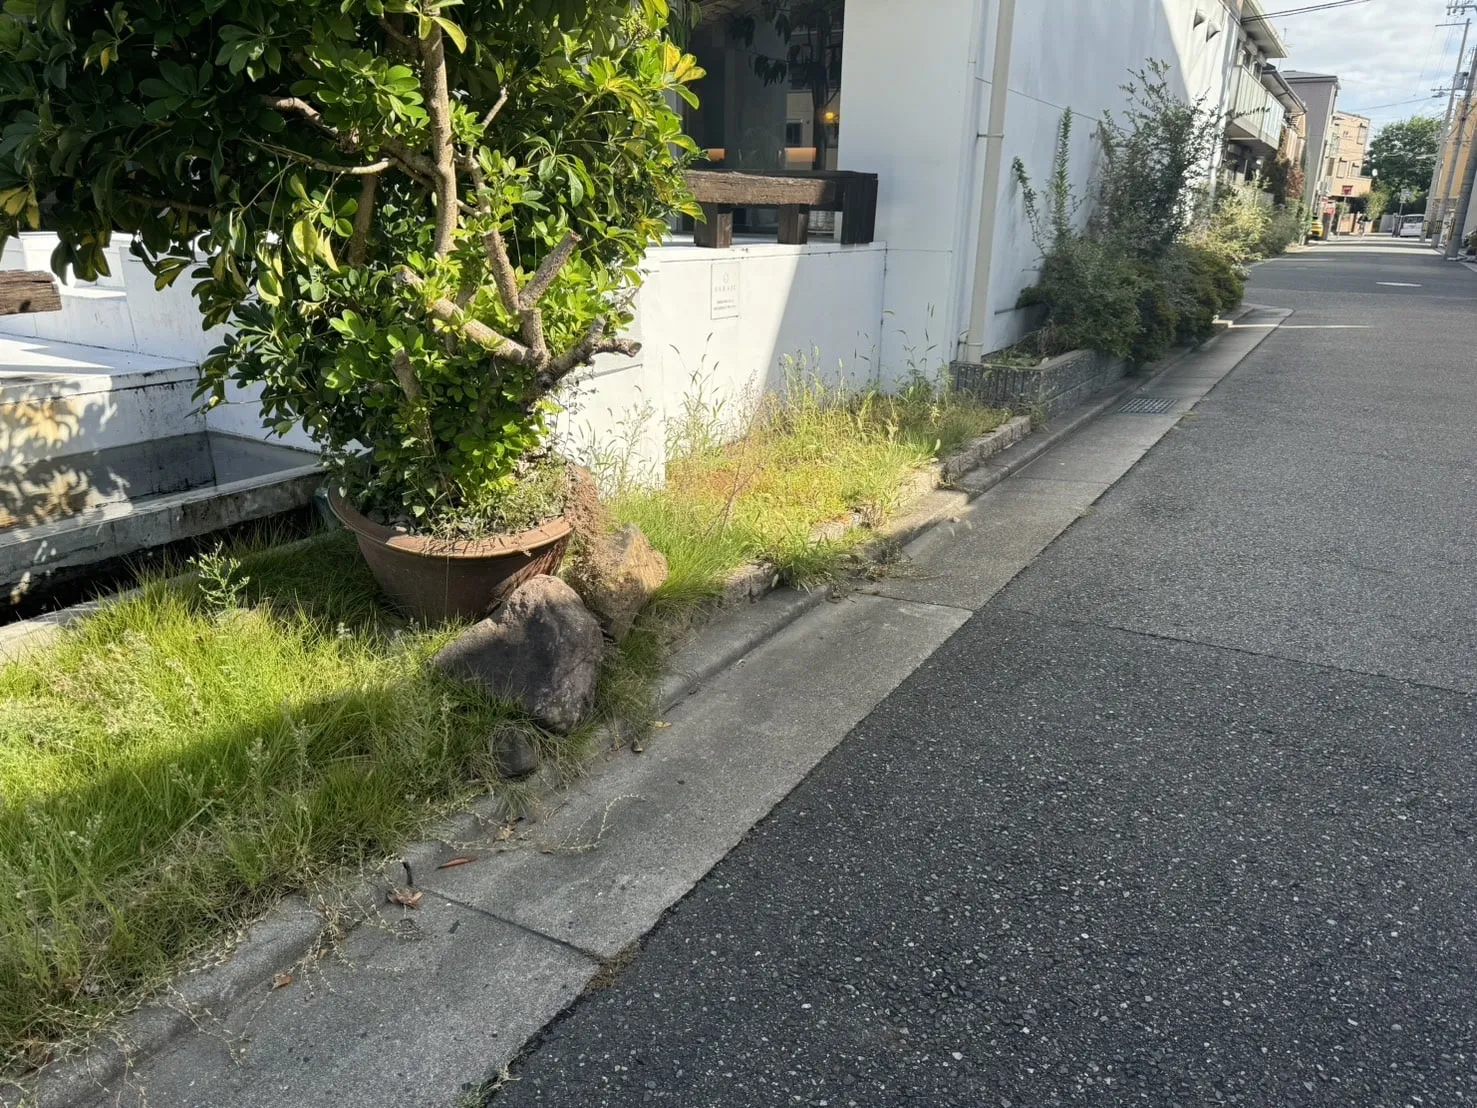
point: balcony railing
(1255, 114)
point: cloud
(1388, 54)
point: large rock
(541, 649)
(617, 574)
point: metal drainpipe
(979, 307)
(1229, 82)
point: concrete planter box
(1055, 386)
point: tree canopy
(417, 216)
(1404, 154)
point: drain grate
(1147, 405)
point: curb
(295, 929)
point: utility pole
(1464, 203)
(1456, 149)
(1453, 8)
(1456, 80)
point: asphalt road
(1187, 815)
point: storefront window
(772, 96)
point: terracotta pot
(439, 579)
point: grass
(813, 455)
(178, 762)
(186, 757)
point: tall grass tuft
(188, 755)
(760, 482)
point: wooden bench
(25, 291)
(793, 192)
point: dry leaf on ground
(450, 862)
(407, 898)
(282, 980)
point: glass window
(772, 96)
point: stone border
(296, 928)
(1055, 386)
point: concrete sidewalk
(1183, 815)
(425, 1006)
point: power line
(1303, 10)
(1397, 104)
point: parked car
(1315, 231)
(1410, 227)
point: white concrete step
(61, 517)
(122, 311)
(59, 399)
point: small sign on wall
(725, 291)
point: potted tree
(418, 217)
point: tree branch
(416, 164)
(363, 220)
(582, 353)
(471, 329)
(298, 106)
(492, 111)
(405, 373)
(177, 205)
(327, 167)
(534, 291)
(502, 270)
(443, 154)
(399, 37)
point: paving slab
(416, 1008)
(629, 841)
(965, 563)
(1087, 456)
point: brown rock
(541, 649)
(617, 574)
(583, 508)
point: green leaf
(453, 32)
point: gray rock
(513, 751)
(617, 574)
(540, 649)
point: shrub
(1152, 160)
(1158, 313)
(1287, 225)
(1127, 284)
(1235, 228)
(418, 216)
(1203, 284)
(1090, 292)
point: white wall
(917, 93)
(718, 325)
(912, 91)
(1084, 70)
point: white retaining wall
(718, 327)
(719, 324)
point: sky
(1386, 53)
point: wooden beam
(762, 191)
(715, 231)
(25, 291)
(795, 225)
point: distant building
(1345, 164)
(1319, 92)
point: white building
(937, 98)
